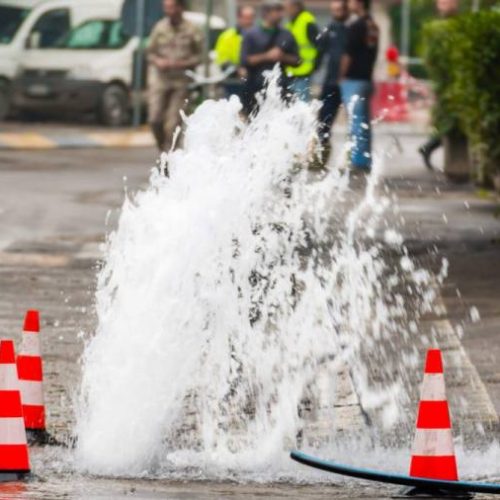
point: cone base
(13, 475)
(417, 492)
(40, 437)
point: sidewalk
(53, 135)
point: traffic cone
(29, 367)
(14, 457)
(433, 455)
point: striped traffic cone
(29, 367)
(433, 455)
(14, 457)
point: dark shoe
(427, 149)
(426, 157)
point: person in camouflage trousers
(175, 45)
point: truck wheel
(114, 106)
(4, 99)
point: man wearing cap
(304, 29)
(263, 47)
(175, 45)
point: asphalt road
(56, 206)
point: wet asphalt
(55, 208)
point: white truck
(90, 70)
(29, 25)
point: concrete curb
(67, 140)
(61, 138)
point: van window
(96, 34)
(51, 27)
(11, 19)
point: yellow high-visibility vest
(307, 51)
(228, 47)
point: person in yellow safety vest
(304, 29)
(228, 49)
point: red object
(14, 455)
(433, 415)
(433, 455)
(434, 467)
(390, 101)
(434, 362)
(32, 321)
(7, 353)
(29, 366)
(392, 54)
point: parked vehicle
(27, 25)
(90, 70)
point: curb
(136, 138)
(95, 139)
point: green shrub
(422, 11)
(463, 59)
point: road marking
(122, 139)
(26, 140)
(33, 259)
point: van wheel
(114, 106)
(4, 99)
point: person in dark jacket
(331, 47)
(356, 84)
(263, 47)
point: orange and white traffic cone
(433, 455)
(14, 457)
(29, 367)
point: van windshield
(11, 19)
(96, 34)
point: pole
(139, 63)
(405, 30)
(231, 12)
(209, 7)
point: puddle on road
(53, 480)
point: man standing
(175, 45)
(356, 71)
(228, 49)
(331, 47)
(263, 47)
(304, 29)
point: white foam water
(226, 287)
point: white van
(90, 71)
(26, 25)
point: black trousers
(331, 100)
(255, 85)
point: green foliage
(421, 12)
(462, 55)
